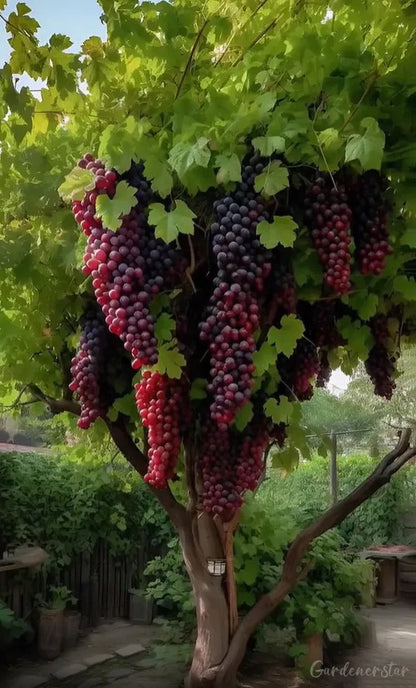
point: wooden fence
(99, 580)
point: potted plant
(51, 621)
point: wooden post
(333, 473)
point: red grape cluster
(369, 222)
(229, 465)
(305, 367)
(129, 267)
(163, 408)
(380, 363)
(328, 217)
(87, 368)
(233, 313)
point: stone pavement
(392, 658)
(117, 656)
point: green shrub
(304, 494)
(66, 507)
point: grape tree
(202, 216)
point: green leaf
(249, 572)
(282, 230)
(243, 416)
(170, 360)
(273, 179)
(280, 411)
(331, 144)
(367, 148)
(76, 184)
(111, 210)
(358, 336)
(230, 168)
(126, 405)
(409, 237)
(168, 224)
(285, 337)
(185, 155)
(406, 286)
(365, 304)
(264, 358)
(199, 388)
(286, 459)
(164, 327)
(269, 144)
(157, 171)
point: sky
(77, 19)
(80, 19)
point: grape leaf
(367, 148)
(273, 179)
(269, 144)
(286, 459)
(230, 168)
(158, 173)
(405, 286)
(264, 358)
(358, 336)
(170, 361)
(281, 231)
(365, 304)
(168, 224)
(280, 411)
(164, 327)
(199, 388)
(285, 337)
(111, 210)
(243, 416)
(126, 405)
(409, 237)
(183, 156)
(76, 183)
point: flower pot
(140, 609)
(72, 620)
(50, 633)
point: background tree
(241, 272)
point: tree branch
(55, 405)
(292, 573)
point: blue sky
(77, 19)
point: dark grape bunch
(129, 267)
(321, 325)
(242, 266)
(380, 364)
(305, 367)
(229, 465)
(325, 370)
(283, 287)
(164, 409)
(328, 217)
(88, 370)
(369, 222)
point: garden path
(117, 656)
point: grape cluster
(305, 367)
(242, 266)
(328, 217)
(283, 288)
(380, 362)
(321, 325)
(87, 370)
(369, 222)
(163, 407)
(325, 370)
(129, 267)
(230, 464)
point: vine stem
(370, 84)
(239, 29)
(190, 58)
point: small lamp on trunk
(216, 567)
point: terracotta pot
(50, 633)
(72, 622)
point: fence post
(333, 470)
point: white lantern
(216, 567)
